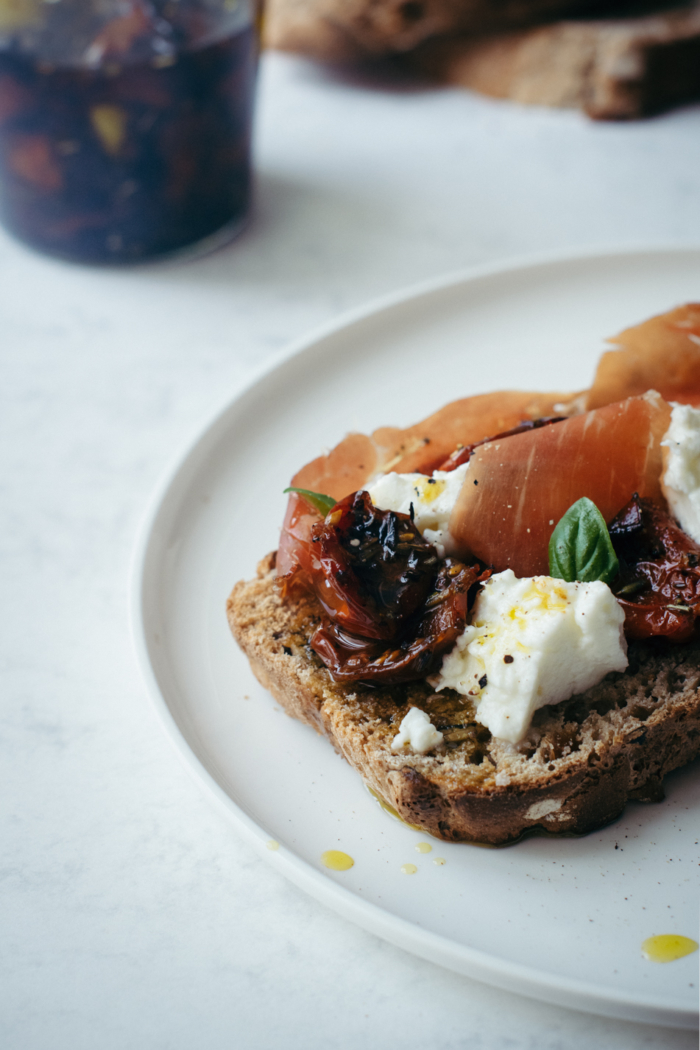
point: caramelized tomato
(374, 567)
(659, 581)
(436, 627)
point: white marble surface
(132, 916)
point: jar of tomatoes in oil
(125, 124)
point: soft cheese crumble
(418, 732)
(532, 642)
(433, 500)
(681, 479)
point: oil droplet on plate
(271, 844)
(409, 869)
(668, 946)
(439, 860)
(391, 811)
(336, 860)
(423, 847)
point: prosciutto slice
(422, 447)
(517, 488)
(662, 354)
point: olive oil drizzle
(667, 947)
(336, 860)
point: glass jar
(125, 125)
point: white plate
(561, 920)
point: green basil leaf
(580, 547)
(317, 500)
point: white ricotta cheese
(532, 642)
(433, 499)
(418, 732)
(681, 478)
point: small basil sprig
(580, 547)
(317, 500)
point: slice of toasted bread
(580, 763)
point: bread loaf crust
(575, 771)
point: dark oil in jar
(127, 160)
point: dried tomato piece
(372, 569)
(438, 624)
(464, 453)
(32, 158)
(659, 581)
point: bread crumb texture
(579, 764)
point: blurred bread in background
(342, 29)
(543, 52)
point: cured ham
(662, 354)
(425, 446)
(422, 447)
(517, 488)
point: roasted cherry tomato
(374, 569)
(436, 627)
(659, 581)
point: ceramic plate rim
(470, 962)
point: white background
(132, 915)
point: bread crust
(579, 765)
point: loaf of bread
(344, 30)
(612, 69)
(579, 764)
